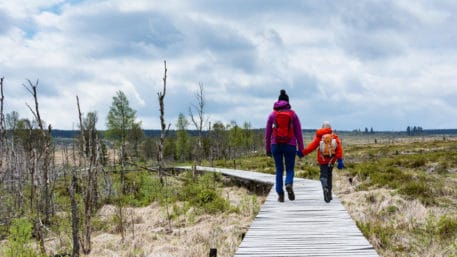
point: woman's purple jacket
(298, 135)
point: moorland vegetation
(116, 191)
(401, 191)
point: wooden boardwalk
(307, 226)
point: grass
(382, 232)
(183, 200)
(412, 207)
(446, 227)
(408, 187)
(403, 198)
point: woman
(282, 136)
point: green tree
(11, 120)
(149, 148)
(235, 139)
(219, 137)
(120, 120)
(248, 137)
(182, 141)
(135, 136)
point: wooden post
(212, 252)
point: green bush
(380, 174)
(19, 239)
(418, 189)
(391, 176)
(447, 228)
(418, 162)
(382, 233)
(364, 170)
(144, 188)
(391, 209)
(201, 192)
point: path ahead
(307, 226)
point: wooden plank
(307, 226)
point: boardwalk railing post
(212, 252)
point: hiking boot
(290, 192)
(281, 197)
(327, 195)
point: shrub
(447, 227)
(382, 233)
(201, 192)
(418, 189)
(382, 174)
(392, 209)
(364, 170)
(392, 176)
(441, 168)
(144, 189)
(416, 162)
(19, 239)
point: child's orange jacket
(316, 142)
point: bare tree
(74, 169)
(18, 158)
(160, 158)
(93, 151)
(88, 150)
(87, 194)
(161, 96)
(200, 120)
(40, 170)
(74, 214)
(2, 129)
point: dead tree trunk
(161, 96)
(74, 214)
(2, 129)
(97, 166)
(47, 196)
(42, 163)
(75, 218)
(86, 242)
(199, 122)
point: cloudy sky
(377, 64)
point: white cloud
(379, 64)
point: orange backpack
(283, 130)
(327, 145)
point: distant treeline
(439, 131)
(57, 133)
